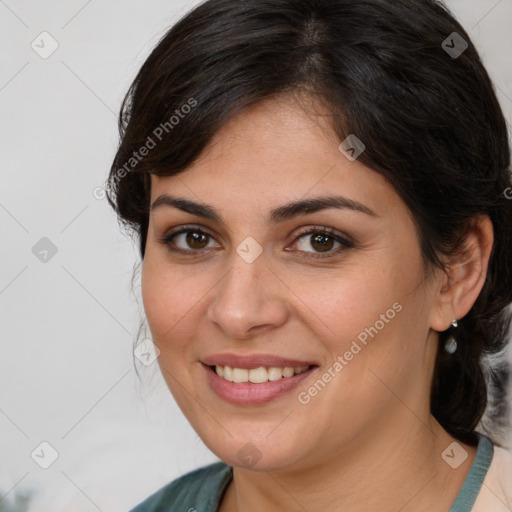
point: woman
(318, 188)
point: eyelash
(320, 230)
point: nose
(250, 299)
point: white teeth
(228, 373)
(240, 375)
(288, 371)
(257, 375)
(275, 373)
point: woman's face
(258, 289)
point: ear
(465, 275)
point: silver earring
(450, 345)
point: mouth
(258, 375)
(249, 381)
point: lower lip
(248, 393)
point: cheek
(170, 303)
(345, 305)
(169, 299)
(361, 320)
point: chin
(257, 452)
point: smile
(256, 385)
(257, 375)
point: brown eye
(321, 242)
(196, 240)
(189, 239)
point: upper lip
(253, 361)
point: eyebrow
(285, 212)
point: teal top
(201, 490)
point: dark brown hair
(429, 119)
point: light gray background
(68, 324)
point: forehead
(272, 152)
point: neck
(395, 469)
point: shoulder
(197, 491)
(496, 492)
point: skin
(367, 441)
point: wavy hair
(429, 119)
